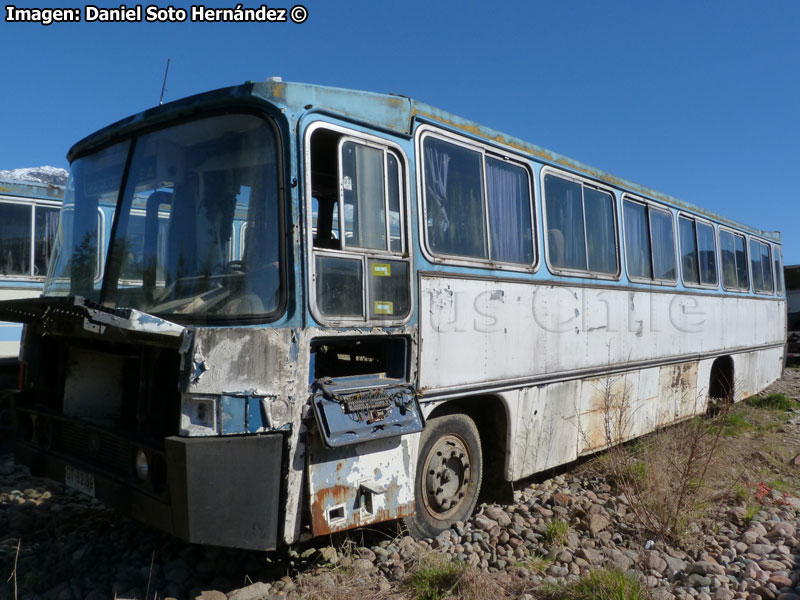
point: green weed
(735, 423)
(773, 401)
(752, 511)
(739, 492)
(434, 580)
(556, 532)
(535, 563)
(600, 584)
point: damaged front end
(114, 404)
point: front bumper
(221, 491)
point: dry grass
(437, 577)
(600, 584)
(677, 476)
(664, 476)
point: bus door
(360, 465)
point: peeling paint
(340, 478)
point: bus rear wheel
(449, 474)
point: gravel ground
(69, 547)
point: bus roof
(30, 189)
(390, 112)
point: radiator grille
(91, 445)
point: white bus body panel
(564, 357)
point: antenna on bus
(164, 85)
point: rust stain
(340, 494)
(332, 496)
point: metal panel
(360, 484)
(478, 331)
(350, 416)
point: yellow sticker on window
(382, 270)
(384, 308)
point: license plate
(79, 480)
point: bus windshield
(171, 241)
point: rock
(363, 566)
(256, 591)
(765, 593)
(329, 554)
(675, 565)
(485, 523)
(780, 581)
(723, 594)
(619, 560)
(210, 595)
(705, 567)
(498, 515)
(752, 570)
(562, 499)
(782, 529)
(384, 586)
(597, 522)
(750, 537)
(366, 553)
(654, 561)
(696, 580)
(771, 565)
(593, 557)
(760, 549)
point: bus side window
(361, 271)
(649, 242)
(734, 261)
(15, 239)
(761, 267)
(581, 227)
(454, 200)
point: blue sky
(695, 99)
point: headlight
(198, 416)
(142, 465)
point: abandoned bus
(28, 224)
(792, 277)
(318, 309)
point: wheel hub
(447, 475)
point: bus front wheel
(449, 473)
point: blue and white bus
(28, 225)
(311, 309)
(792, 277)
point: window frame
(354, 252)
(32, 204)
(762, 242)
(696, 219)
(777, 251)
(743, 235)
(591, 183)
(650, 205)
(498, 153)
(387, 225)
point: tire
(446, 487)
